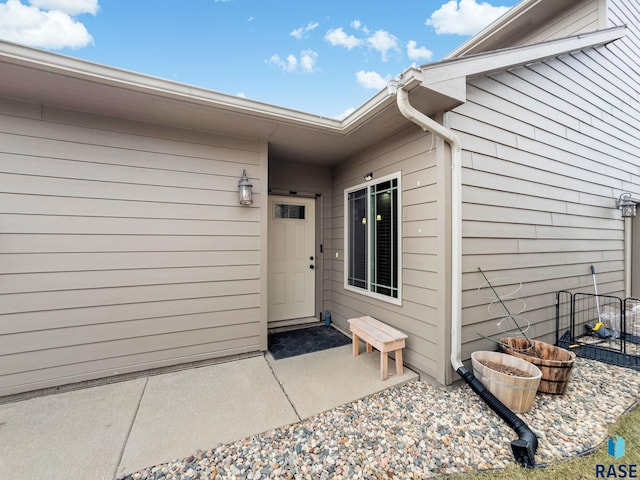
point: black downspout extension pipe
(525, 446)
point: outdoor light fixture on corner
(244, 189)
(626, 205)
(368, 176)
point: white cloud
(383, 41)
(357, 25)
(371, 80)
(466, 17)
(306, 63)
(290, 64)
(53, 29)
(418, 53)
(308, 60)
(338, 38)
(70, 7)
(380, 40)
(299, 32)
(276, 60)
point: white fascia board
(483, 63)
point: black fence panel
(563, 313)
(599, 327)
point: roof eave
(485, 63)
(133, 81)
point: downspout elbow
(424, 122)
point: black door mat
(305, 340)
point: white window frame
(367, 292)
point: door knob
(312, 267)
(310, 258)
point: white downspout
(525, 446)
(427, 124)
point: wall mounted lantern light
(626, 205)
(244, 189)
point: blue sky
(322, 56)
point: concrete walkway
(107, 431)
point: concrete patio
(107, 431)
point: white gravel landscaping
(418, 431)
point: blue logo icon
(616, 447)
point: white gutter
(427, 124)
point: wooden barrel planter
(516, 392)
(555, 363)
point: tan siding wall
(548, 148)
(421, 314)
(122, 247)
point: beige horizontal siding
(59, 281)
(52, 319)
(113, 331)
(122, 247)
(103, 353)
(98, 207)
(55, 262)
(54, 300)
(83, 243)
(421, 313)
(542, 170)
(182, 350)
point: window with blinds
(372, 238)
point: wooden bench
(380, 336)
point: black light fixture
(626, 205)
(368, 176)
(244, 189)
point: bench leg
(384, 365)
(356, 345)
(399, 367)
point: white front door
(292, 258)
